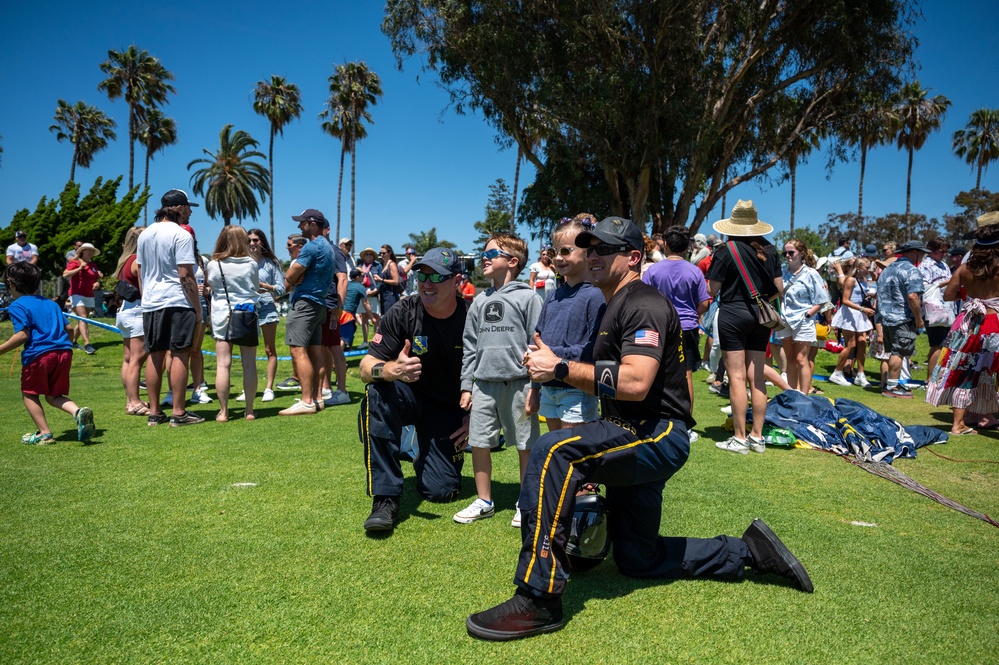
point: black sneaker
(155, 419)
(770, 555)
(186, 418)
(384, 514)
(290, 383)
(521, 616)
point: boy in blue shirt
(41, 327)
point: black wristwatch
(376, 372)
(562, 369)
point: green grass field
(152, 546)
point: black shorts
(692, 349)
(738, 329)
(937, 334)
(169, 329)
(900, 340)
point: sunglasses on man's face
(603, 249)
(434, 277)
(492, 254)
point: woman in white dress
(542, 274)
(234, 278)
(853, 319)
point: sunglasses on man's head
(493, 253)
(603, 249)
(434, 277)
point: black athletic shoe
(521, 616)
(155, 419)
(186, 418)
(770, 555)
(384, 514)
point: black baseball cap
(312, 215)
(439, 259)
(176, 197)
(614, 231)
(20, 234)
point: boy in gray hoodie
(494, 382)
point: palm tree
(230, 178)
(872, 125)
(917, 117)
(978, 142)
(86, 127)
(803, 144)
(353, 87)
(157, 132)
(142, 81)
(280, 102)
(424, 241)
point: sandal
(816, 391)
(969, 430)
(38, 439)
(140, 410)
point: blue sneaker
(84, 424)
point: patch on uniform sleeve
(647, 338)
(420, 344)
(377, 339)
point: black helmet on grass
(588, 543)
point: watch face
(562, 370)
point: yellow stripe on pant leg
(541, 495)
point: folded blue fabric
(244, 307)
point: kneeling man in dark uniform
(639, 444)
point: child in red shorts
(42, 328)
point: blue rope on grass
(92, 322)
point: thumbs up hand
(540, 362)
(407, 368)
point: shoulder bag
(764, 311)
(241, 329)
(125, 289)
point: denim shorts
(570, 405)
(267, 313)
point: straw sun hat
(743, 222)
(86, 245)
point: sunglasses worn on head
(434, 277)
(603, 249)
(493, 253)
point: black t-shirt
(723, 269)
(437, 342)
(641, 321)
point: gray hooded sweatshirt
(499, 327)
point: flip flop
(970, 430)
(816, 391)
(138, 411)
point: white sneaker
(199, 397)
(861, 380)
(783, 375)
(733, 445)
(838, 378)
(477, 510)
(242, 397)
(299, 408)
(727, 410)
(268, 395)
(710, 378)
(756, 445)
(515, 522)
(326, 394)
(337, 398)
(693, 436)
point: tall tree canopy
(664, 94)
(86, 127)
(143, 81)
(978, 142)
(280, 102)
(157, 132)
(230, 179)
(917, 116)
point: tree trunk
(145, 207)
(339, 191)
(908, 186)
(793, 165)
(72, 167)
(724, 209)
(270, 160)
(638, 195)
(978, 180)
(863, 168)
(131, 146)
(225, 220)
(353, 169)
(513, 200)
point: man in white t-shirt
(22, 250)
(407, 273)
(170, 305)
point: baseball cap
(20, 234)
(345, 241)
(176, 197)
(410, 250)
(312, 215)
(957, 251)
(614, 231)
(439, 259)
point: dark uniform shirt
(640, 321)
(723, 269)
(437, 343)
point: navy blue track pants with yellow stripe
(633, 461)
(385, 409)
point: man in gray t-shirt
(899, 307)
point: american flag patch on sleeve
(647, 338)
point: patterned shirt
(933, 272)
(894, 286)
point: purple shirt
(683, 283)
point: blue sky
(422, 165)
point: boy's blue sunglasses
(493, 253)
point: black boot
(384, 514)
